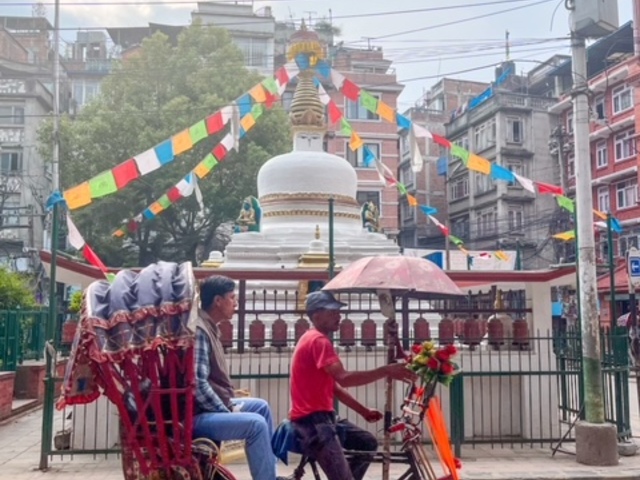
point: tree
(14, 291)
(150, 96)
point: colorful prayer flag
(156, 208)
(401, 188)
(215, 123)
(455, 240)
(600, 215)
(368, 156)
(345, 127)
(219, 152)
(73, 235)
(386, 112)
(368, 101)
(500, 173)
(413, 201)
(244, 104)
(91, 257)
(479, 164)
(427, 210)
(103, 184)
(164, 151)
(205, 166)
(164, 201)
(182, 142)
(526, 183)
(334, 112)
(546, 188)
(460, 152)
(350, 90)
(420, 132)
(125, 173)
(565, 236)
(443, 142)
(174, 194)
(198, 132)
(257, 93)
(566, 203)
(355, 142)
(247, 122)
(270, 85)
(119, 233)
(403, 122)
(147, 161)
(337, 79)
(78, 196)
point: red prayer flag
(219, 152)
(91, 257)
(174, 194)
(334, 112)
(270, 99)
(282, 76)
(214, 123)
(441, 141)
(125, 173)
(350, 90)
(132, 226)
(548, 188)
(444, 230)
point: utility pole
(596, 441)
(52, 321)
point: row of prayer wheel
(471, 332)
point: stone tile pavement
(20, 452)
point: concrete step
(18, 407)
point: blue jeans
(253, 424)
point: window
(10, 115)
(10, 163)
(460, 188)
(627, 194)
(484, 183)
(254, 51)
(407, 212)
(460, 227)
(622, 98)
(569, 124)
(407, 175)
(463, 142)
(355, 110)
(627, 241)
(571, 166)
(487, 222)
(485, 135)
(363, 197)
(624, 144)
(603, 199)
(404, 144)
(516, 217)
(514, 130)
(599, 110)
(357, 158)
(84, 92)
(601, 154)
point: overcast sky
(421, 57)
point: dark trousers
(323, 439)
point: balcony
(92, 66)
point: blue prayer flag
(403, 122)
(428, 210)
(616, 226)
(369, 157)
(148, 214)
(501, 173)
(443, 166)
(164, 152)
(244, 104)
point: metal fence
(21, 337)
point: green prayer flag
(270, 84)
(345, 127)
(402, 188)
(460, 152)
(198, 132)
(110, 277)
(103, 184)
(368, 101)
(210, 161)
(455, 240)
(257, 110)
(164, 201)
(566, 203)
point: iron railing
(21, 337)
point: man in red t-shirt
(317, 377)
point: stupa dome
(307, 172)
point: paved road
(20, 449)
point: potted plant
(69, 327)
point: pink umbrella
(401, 275)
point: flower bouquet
(433, 365)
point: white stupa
(294, 191)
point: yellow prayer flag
(479, 164)
(356, 142)
(500, 255)
(182, 142)
(257, 93)
(600, 215)
(386, 112)
(565, 236)
(413, 201)
(463, 250)
(247, 122)
(156, 208)
(78, 196)
(119, 233)
(201, 170)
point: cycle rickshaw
(135, 345)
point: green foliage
(14, 291)
(75, 304)
(156, 93)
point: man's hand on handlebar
(372, 416)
